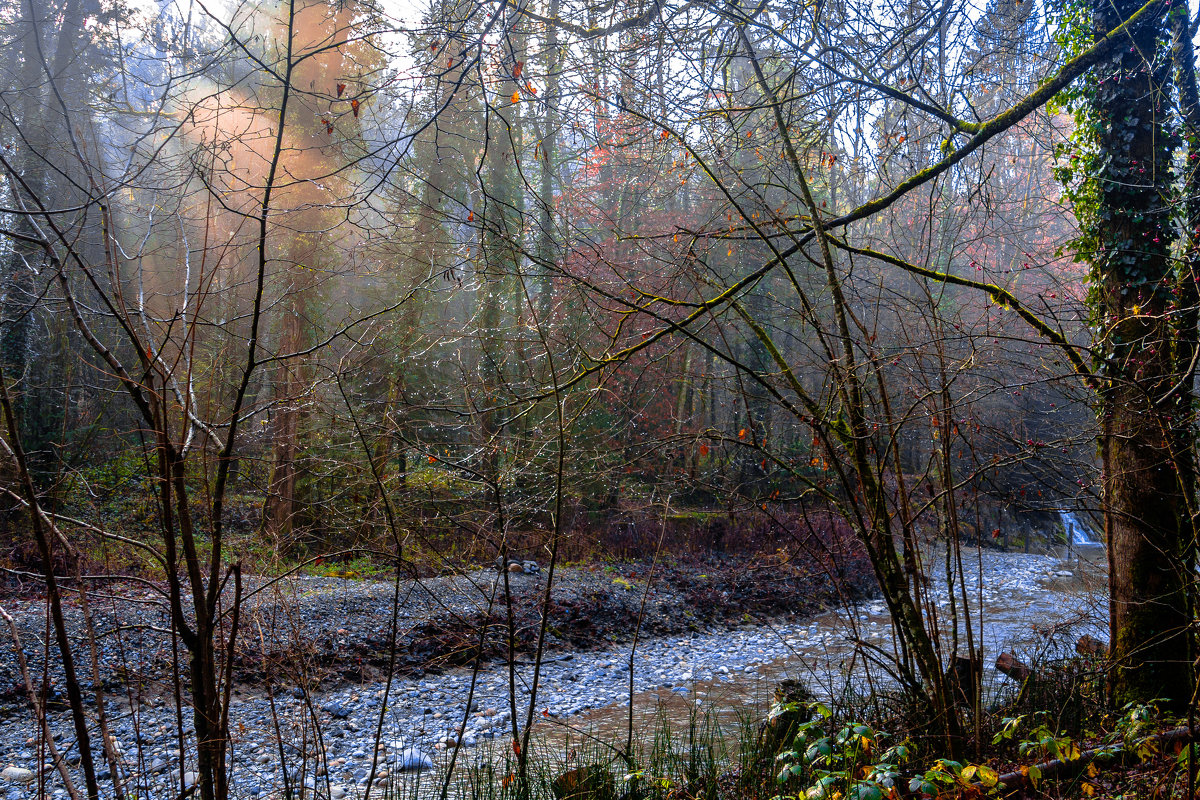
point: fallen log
(1059, 769)
(1013, 667)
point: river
(1034, 606)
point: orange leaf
(742, 433)
(517, 747)
(517, 69)
(432, 460)
(471, 216)
(354, 107)
(664, 135)
(341, 87)
(449, 63)
(516, 96)
(703, 449)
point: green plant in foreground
(835, 761)
(1041, 741)
(946, 778)
(840, 762)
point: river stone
(17, 774)
(412, 758)
(337, 710)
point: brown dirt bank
(326, 630)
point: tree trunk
(1142, 403)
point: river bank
(333, 738)
(325, 631)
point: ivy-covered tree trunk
(1142, 401)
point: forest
(598, 399)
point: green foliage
(830, 759)
(1135, 727)
(116, 490)
(1120, 189)
(838, 760)
(1040, 741)
(359, 567)
(946, 778)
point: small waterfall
(1078, 534)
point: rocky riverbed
(333, 738)
(326, 631)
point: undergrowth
(828, 756)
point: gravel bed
(324, 735)
(328, 631)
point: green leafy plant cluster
(829, 760)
